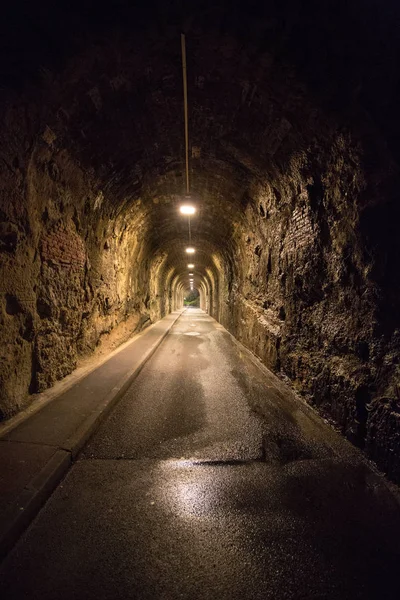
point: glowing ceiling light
(190, 250)
(190, 274)
(187, 209)
(191, 266)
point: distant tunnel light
(190, 250)
(191, 266)
(187, 209)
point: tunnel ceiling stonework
(294, 173)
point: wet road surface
(210, 481)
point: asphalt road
(210, 481)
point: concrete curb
(76, 442)
(31, 500)
(37, 492)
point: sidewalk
(35, 455)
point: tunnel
(199, 299)
(293, 163)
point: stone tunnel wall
(314, 299)
(70, 271)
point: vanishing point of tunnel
(200, 300)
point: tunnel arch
(294, 172)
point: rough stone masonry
(294, 168)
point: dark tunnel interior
(294, 168)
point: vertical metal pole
(183, 43)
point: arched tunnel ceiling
(131, 134)
(258, 98)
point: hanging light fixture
(190, 266)
(187, 209)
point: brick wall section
(300, 232)
(64, 248)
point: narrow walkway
(210, 481)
